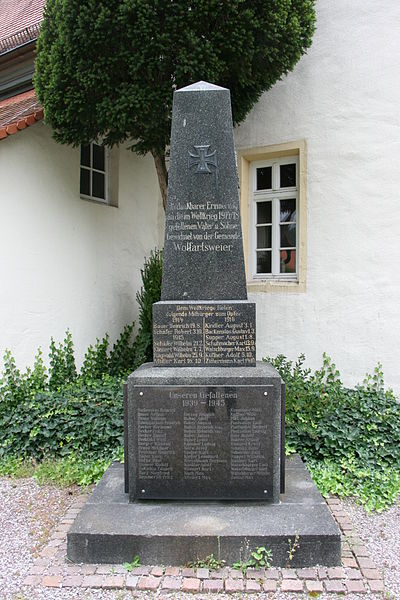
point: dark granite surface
(203, 249)
(204, 333)
(110, 529)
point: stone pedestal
(204, 433)
(110, 529)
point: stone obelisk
(204, 419)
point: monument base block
(110, 529)
(204, 433)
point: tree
(107, 69)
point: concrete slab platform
(109, 529)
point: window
(273, 205)
(94, 173)
(273, 220)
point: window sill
(275, 286)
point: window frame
(246, 156)
(91, 169)
(273, 195)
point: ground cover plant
(349, 438)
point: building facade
(318, 163)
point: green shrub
(350, 438)
(146, 297)
(82, 418)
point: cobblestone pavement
(358, 574)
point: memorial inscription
(204, 334)
(195, 441)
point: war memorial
(205, 470)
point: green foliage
(146, 297)
(260, 558)
(130, 566)
(62, 363)
(108, 68)
(81, 418)
(293, 547)
(350, 438)
(59, 471)
(209, 562)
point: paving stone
(72, 569)
(118, 569)
(140, 571)
(376, 585)
(55, 570)
(216, 575)
(253, 586)
(322, 574)
(51, 581)
(88, 569)
(335, 586)
(366, 563)
(41, 562)
(32, 580)
(270, 585)
(371, 573)
(191, 584)
(307, 573)
(355, 587)
(148, 583)
(92, 581)
(48, 552)
(353, 574)
(171, 583)
(235, 574)
(235, 585)
(188, 572)
(314, 586)
(113, 582)
(36, 570)
(272, 574)
(104, 569)
(213, 585)
(289, 573)
(54, 543)
(58, 535)
(72, 581)
(360, 550)
(349, 562)
(172, 571)
(157, 571)
(336, 573)
(255, 573)
(203, 573)
(292, 585)
(131, 581)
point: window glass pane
(98, 157)
(98, 185)
(85, 156)
(288, 261)
(288, 210)
(264, 237)
(264, 261)
(264, 212)
(264, 178)
(288, 236)
(288, 175)
(85, 182)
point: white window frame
(91, 169)
(274, 195)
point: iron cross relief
(203, 159)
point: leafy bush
(350, 438)
(146, 297)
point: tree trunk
(162, 174)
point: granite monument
(204, 423)
(204, 419)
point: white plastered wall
(343, 98)
(66, 262)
